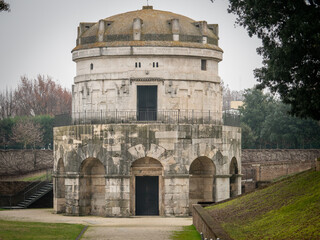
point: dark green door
(147, 195)
(147, 103)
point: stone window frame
(153, 171)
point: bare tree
(7, 104)
(42, 96)
(27, 132)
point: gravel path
(155, 228)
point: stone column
(204, 31)
(238, 179)
(59, 200)
(222, 187)
(72, 194)
(137, 23)
(117, 196)
(176, 196)
(175, 29)
(101, 30)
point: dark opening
(147, 103)
(203, 64)
(91, 66)
(147, 195)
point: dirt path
(155, 228)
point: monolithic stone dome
(148, 27)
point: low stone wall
(14, 162)
(11, 193)
(268, 164)
(208, 226)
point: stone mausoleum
(147, 136)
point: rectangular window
(203, 64)
(136, 64)
(139, 64)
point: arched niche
(201, 181)
(59, 188)
(92, 188)
(146, 187)
(234, 171)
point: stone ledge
(204, 223)
(176, 176)
(146, 51)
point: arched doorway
(59, 191)
(234, 177)
(201, 181)
(146, 190)
(92, 188)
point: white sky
(37, 36)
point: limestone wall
(129, 150)
(105, 95)
(187, 78)
(207, 225)
(268, 164)
(118, 145)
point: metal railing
(34, 186)
(161, 116)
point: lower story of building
(145, 192)
(125, 170)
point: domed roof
(156, 29)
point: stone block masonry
(268, 164)
(96, 166)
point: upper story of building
(147, 61)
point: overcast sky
(37, 36)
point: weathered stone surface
(93, 173)
(183, 159)
(268, 164)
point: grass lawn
(38, 177)
(289, 209)
(10, 230)
(188, 233)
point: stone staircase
(35, 193)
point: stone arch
(59, 188)
(201, 181)
(92, 188)
(145, 169)
(139, 151)
(234, 171)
